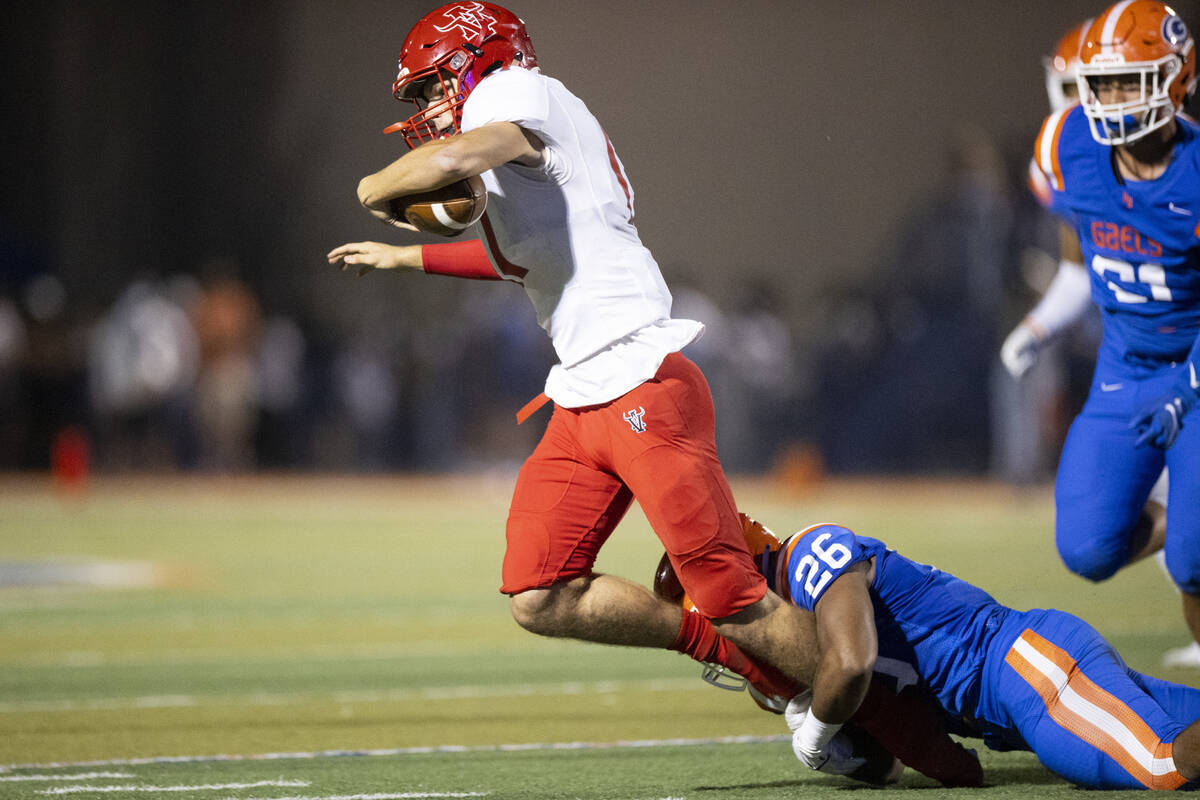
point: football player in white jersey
(632, 418)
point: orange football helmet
(762, 543)
(1142, 40)
(1062, 68)
(760, 540)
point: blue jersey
(1038, 680)
(1140, 239)
(938, 623)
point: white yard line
(72, 573)
(204, 787)
(376, 796)
(350, 696)
(80, 776)
(405, 751)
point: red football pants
(655, 443)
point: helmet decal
(1174, 31)
(471, 19)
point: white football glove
(817, 745)
(1020, 350)
(838, 756)
(835, 758)
(797, 710)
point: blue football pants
(1104, 478)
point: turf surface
(167, 618)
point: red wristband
(461, 259)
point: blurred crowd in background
(188, 371)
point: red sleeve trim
(459, 259)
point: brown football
(447, 211)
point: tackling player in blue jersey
(1040, 680)
(1123, 170)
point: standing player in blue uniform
(1040, 680)
(1123, 169)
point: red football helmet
(1062, 68)
(1142, 40)
(457, 46)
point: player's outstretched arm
(367, 256)
(466, 259)
(1063, 304)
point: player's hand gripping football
(384, 210)
(375, 255)
(388, 214)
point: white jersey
(565, 231)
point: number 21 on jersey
(815, 569)
(1149, 277)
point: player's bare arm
(375, 255)
(848, 645)
(444, 161)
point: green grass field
(321, 638)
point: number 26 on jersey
(815, 569)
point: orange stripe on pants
(1080, 706)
